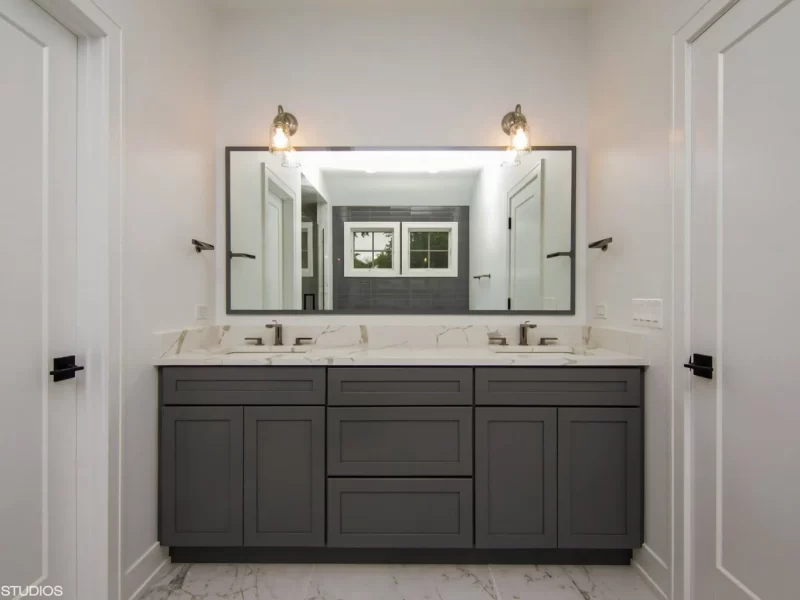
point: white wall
(630, 199)
(168, 199)
(410, 74)
(489, 232)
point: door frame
(516, 189)
(682, 418)
(99, 248)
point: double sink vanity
(350, 453)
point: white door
(744, 289)
(525, 261)
(38, 136)
(273, 252)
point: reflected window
(431, 249)
(370, 249)
(307, 249)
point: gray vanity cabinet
(516, 485)
(284, 476)
(600, 478)
(201, 475)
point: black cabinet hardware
(200, 246)
(242, 255)
(602, 244)
(701, 365)
(64, 368)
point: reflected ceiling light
(515, 126)
(284, 126)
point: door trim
(100, 179)
(681, 160)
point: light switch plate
(201, 312)
(601, 311)
(648, 312)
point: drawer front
(561, 386)
(243, 385)
(400, 386)
(400, 513)
(408, 441)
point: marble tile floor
(397, 582)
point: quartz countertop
(365, 356)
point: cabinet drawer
(400, 513)
(561, 386)
(399, 386)
(405, 441)
(243, 385)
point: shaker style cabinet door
(600, 479)
(515, 477)
(284, 476)
(201, 476)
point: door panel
(201, 476)
(38, 138)
(746, 131)
(526, 244)
(284, 463)
(273, 252)
(516, 486)
(600, 478)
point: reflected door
(743, 290)
(38, 306)
(525, 264)
(273, 252)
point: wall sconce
(515, 126)
(284, 126)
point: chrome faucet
(523, 332)
(278, 332)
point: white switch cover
(201, 312)
(601, 311)
(648, 312)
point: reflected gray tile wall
(401, 294)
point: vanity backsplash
(379, 337)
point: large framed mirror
(401, 231)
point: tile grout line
(494, 583)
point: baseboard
(246, 554)
(144, 570)
(653, 569)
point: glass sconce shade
(515, 126)
(284, 126)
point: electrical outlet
(648, 312)
(201, 312)
(601, 311)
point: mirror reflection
(401, 231)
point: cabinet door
(515, 477)
(284, 465)
(201, 476)
(600, 478)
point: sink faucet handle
(258, 341)
(544, 341)
(302, 340)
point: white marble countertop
(363, 356)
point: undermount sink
(267, 350)
(549, 349)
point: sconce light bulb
(279, 139)
(520, 140)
